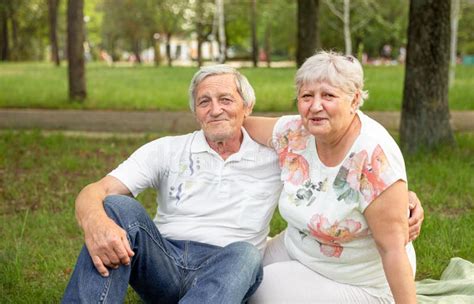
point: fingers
(123, 251)
(99, 265)
(413, 200)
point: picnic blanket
(456, 285)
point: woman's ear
(355, 101)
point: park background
(140, 55)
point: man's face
(219, 108)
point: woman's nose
(316, 105)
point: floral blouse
(324, 206)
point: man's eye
(226, 100)
(203, 103)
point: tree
(169, 20)
(253, 22)
(75, 50)
(425, 110)
(203, 17)
(455, 5)
(308, 30)
(345, 18)
(221, 30)
(5, 49)
(53, 32)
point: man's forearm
(89, 205)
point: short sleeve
(365, 174)
(143, 168)
(289, 134)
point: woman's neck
(332, 151)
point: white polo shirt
(202, 197)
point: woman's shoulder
(373, 133)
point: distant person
(217, 190)
(344, 196)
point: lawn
(40, 175)
(42, 85)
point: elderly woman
(344, 196)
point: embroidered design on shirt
(176, 193)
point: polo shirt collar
(248, 149)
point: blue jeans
(164, 270)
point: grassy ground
(41, 175)
(44, 86)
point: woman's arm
(260, 128)
(387, 219)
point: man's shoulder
(174, 140)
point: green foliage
(145, 87)
(40, 176)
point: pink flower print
(297, 135)
(330, 236)
(354, 165)
(372, 183)
(295, 168)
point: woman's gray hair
(344, 72)
(243, 86)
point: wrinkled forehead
(220, 81)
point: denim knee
(245, 254)
(120, 207)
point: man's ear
(247, 111)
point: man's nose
(216, 108)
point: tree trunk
(4, 55)
(53, 25)
(14, 35)
(157, 52)
(454, 40)
(199, 30)
(347, 27)
(308, 29)
(199, 51)
(267, 46)
(425, 111)
(221, 31)
(75, 50)
(253, 26)
(168, 49)
(137, 51)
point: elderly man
(217, 190)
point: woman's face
(325, 109)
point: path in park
(155, 121)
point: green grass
(42, 85)
(40, 177)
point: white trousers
(288, 281)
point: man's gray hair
(344, 72)
(243, 86)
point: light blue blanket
(456, 285)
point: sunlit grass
(42, 85)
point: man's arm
(417, 214)
(106, 242)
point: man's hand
(107, 244)
(416, 216)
